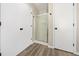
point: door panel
(63, 26)
(42, 28)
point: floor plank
(42, 50)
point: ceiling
(40, 7)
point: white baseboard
(77, 53)
(46, 44)
(43, 43)
(50, 46)
(25, 48)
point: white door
(16, 29)
(63, 26)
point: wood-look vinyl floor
(42, 50)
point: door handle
(0, 23)
(56, 28)
(30, 25)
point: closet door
(16, 29)
(63, 26)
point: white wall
(14, 16)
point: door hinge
(50, 13)
(0, 53)
(73, 4)
(0, 23)
(73, 25)
(73, 44)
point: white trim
(77, 53)
(53, 29)
(43, 43)
(24, 48)
(50, 46)
(42, 14)
(75, 27)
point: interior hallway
(41, 50)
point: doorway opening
(40, 22)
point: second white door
(63, 26)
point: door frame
(75, 28)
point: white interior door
(16, 29)
(63, 26)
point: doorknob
(55, 28)
(0, 23)
(30, 25)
